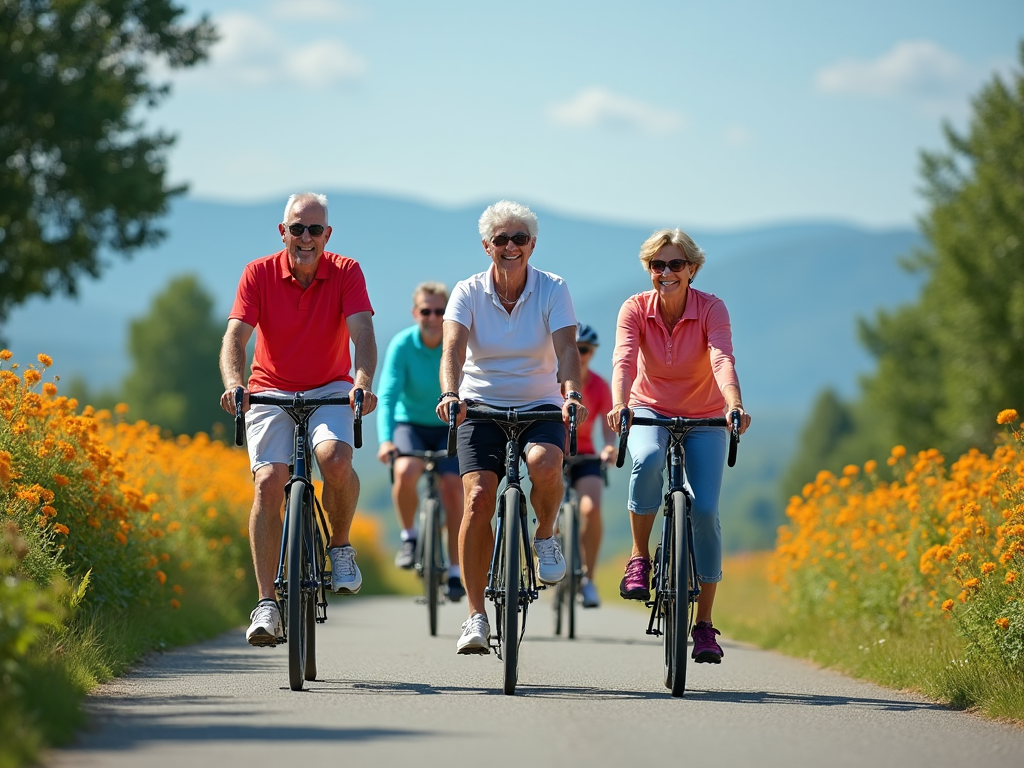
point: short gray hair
(305, 197)
(505, 212)
(662, 237)
(430, 288)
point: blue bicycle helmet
(585, 334)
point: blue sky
(671, 113)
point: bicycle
(674, 576)
(302, 580)
(568, 528)
(511, 580)
(431, 560)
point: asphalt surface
(389, 694)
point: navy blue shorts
(416, 437)
(588, 468)
(482, 443)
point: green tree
(175, 379)
(79, 176)
(950, 363)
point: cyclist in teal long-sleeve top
(407, 421)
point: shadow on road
(811, 700)
(572, 692)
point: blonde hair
(662, 237)
(430, 288)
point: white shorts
(270, 431)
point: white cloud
(316, 10)
(913, 68)
(254, 53)
(599, 107)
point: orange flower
(161, 577)
(46, 360)
(60, 480)
(49, 389)
(121, 409)
(61, 528)
(175, 603)
(947, 605)
(1003, 623)
(1011, 577)
(987, 568)
(6, 354)
(1006, 416)
(32, 376)
(49, 511)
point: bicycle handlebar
(297, 401)
(509, 416)
(678, 423)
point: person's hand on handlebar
(581, 412)
(442, 409)
(744, 416)
(386, 452)
(369, 400)
(227, 400)
(614, 416)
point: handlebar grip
(623, 435)
(357, 422)
(453, 431)
(239, 419)
(572, 429)
(734, 437)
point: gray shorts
(270, 432)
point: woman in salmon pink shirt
(673, 357)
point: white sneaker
(588, 593)
(476, 635)
(265, 628)
(345, 576)
(550, 563)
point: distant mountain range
(794, 291)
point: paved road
(391, 695)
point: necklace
(504, 298)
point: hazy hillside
(793, 291)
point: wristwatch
(573, 395)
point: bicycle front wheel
(512, 500)
(295, 608)
(574, 569)
(677, 625)
(431, 562)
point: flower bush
(935, 543)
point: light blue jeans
(704, 461)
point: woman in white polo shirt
(509, 336)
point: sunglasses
(676, 265)
(426, 312)
(585, 350)
(519, 238)
(315, 230)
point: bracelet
(573, 395)
(447, 394)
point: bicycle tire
(295, 607)
(513, 572)
(431, 520)
(680, 565)
(310, 610)
(572, 561)
(560, 589)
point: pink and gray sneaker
(706, 649)
(636, 584)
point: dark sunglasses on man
(519, 238)
(315, 230)
(427, 312)
(584, 349)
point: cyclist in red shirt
(586, 476)
(308, 304)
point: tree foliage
(950, 362)
(175, 380)
(79, 174)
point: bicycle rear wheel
(295, 609)
(431, 562)
(564, 513)
(513, 571)
(677, 623)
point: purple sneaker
(636, 584)
(706, 649)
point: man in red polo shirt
(308, 304)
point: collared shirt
(302, 338)
(409, 384)
(678, 371)
(510, 358)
